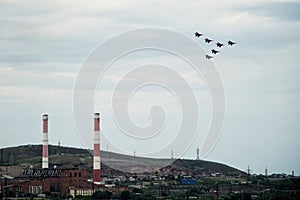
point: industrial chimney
(97, 166)
(45, 142)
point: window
(34, 189)
(30, 189)
(70, 174)
(75, 174)
(40, 189)
(79, 174)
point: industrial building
(62, 182)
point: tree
(125, 195)
(102, 195)
(136, 190)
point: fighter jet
(197, 34)
(208, 40)
(208, 56)
(231, 43)
(214, 51)
(219, 44)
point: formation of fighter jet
(208, 40)
(208, 56)
(231, 43)
(219, 44)
(214, 51)
(197, 34)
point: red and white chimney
(97, 165)
(45, 164)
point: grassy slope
(30, 155)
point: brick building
(63, 182)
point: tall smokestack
(45, 142)
(97, 166)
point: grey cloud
(50, 38)
(281, 10)
(14, 9)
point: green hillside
(69, 157)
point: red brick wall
(60, 185)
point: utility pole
(59, 148)
(198, 157)
(248, 172)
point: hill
(69, 157)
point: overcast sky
(43, 45)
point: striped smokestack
(45, 142)
(97, 166)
